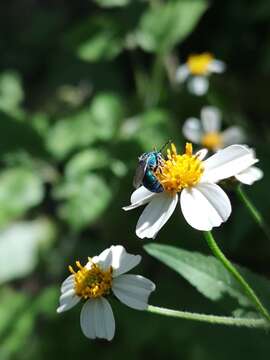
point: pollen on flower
(179, 171)
(199, 64)
(91, 281)
(212, 141)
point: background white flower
(207, 131)
(197, 70)
(102, 275)
(192, 181)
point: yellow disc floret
(179, 171)
(91, 281)
(199, 64)
(212, 141)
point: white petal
(104, 260)
(182, 73)
(97, 320)
(192, 130)
(67, 284)
(140, 194)
(122, 261)
(205, 206)
(67, 300)
(211, 119)
(217, 66)
(201, 154)
(227, 162)
(250, 175)
(198, 85)
(155, 215)
(133, 290)
(233, 135)
(139, 197)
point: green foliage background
(86, 87)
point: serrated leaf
(164, 26)
(85, 200)
(22, 241)
(208, 275)
(20, 189)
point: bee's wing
(139, 174)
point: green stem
(212, 319)
(253, 211)
(234, 272)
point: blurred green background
(86, 87)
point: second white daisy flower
(101, 276)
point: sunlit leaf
(97, 39)
(86, 160)
(85, 199)
(20, 244)
(208, 275)
(11, 92)
(152, 128)
(111, 3)
(98, 122)
(20, 190)
(164, 26)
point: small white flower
(93, 282)
(190, 180)
(207, 131)
(197, 70)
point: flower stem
(234, 272)
(253, 211)
(212, 319)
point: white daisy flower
(102, 275)
(207, 131)
(192, 181)
(196, 71)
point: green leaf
(97, 38)
(20, 309)
(99, 122)
(14, 308)
(112, 3)
(86, 198)
(18, 135)
(20, 190)
(164, 26)
(208, 275)
(107, 112)
(151, 129)
(20, 244)
(11, 92)
(86, 160)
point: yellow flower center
(179, 171)
(91, 282)
(212, 141)
(199, 64)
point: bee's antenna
(163, 146)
